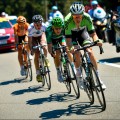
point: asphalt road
(19, 100)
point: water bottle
(64, 64)
(63, 61)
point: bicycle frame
(68, 71)
(92, 80)
(44, 70)
(26, 61)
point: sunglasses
(38, 24)
(21, 23)
(77, 16)
(56, 28)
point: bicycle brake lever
(101, 49)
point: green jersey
(51, 36)
(86, 22)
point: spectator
(88, 6)
(94, 5)
(55, 13)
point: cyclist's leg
(45, 48)
(36, 62)
(95, 64)
(57, 63)
(27, 46)
(20, 56)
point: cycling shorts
(57, 41)
(21, 38)
(39, 40)
(80, 36)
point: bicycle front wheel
(73, 78)
(45, 74)
(98, 88)
(47, 77)
(29, 69)
(88, 85)
(66, 79)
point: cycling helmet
(37, 18)
(77, 8)
(94, 2)
(99, 13)
(54, 8)
(21, 19)
(57, 22)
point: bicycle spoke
(73, 80)
(87, 84)
(66, 80)
(45, 72)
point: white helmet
(99, 13)
(77, 8)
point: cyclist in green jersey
(79, 30)
(55, 35)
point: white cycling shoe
(103, 85)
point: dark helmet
(37, 18)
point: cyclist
(37, 35)
(79, 19)
(55, 35)
(21, 34)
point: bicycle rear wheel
(66, 79)
(88, 85)
(73, 78)
(98, 88)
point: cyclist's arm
(27, 25)
(91, 28)
(49, 40)
(68, 31)
(15, 33)
(30, 42)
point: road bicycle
(90, 77)
(26, 61)
(44, 69)
(68, 73)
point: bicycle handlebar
(60, 47)
(91, 45)
(22, 43)
(38, 46)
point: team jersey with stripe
(86, 22)
(32, 32)
(50, 34)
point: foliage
(28, 8)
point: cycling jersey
(32, 32)
(21, 30)
(52, 37)
(70, 24)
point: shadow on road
(16, 80)
(111, 60)
(77, 108)
(59, 97)
(36, 89)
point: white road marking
(110, 64)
